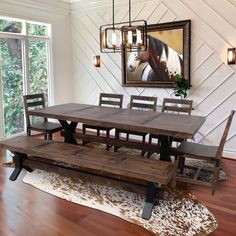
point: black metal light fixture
(129, 36)
(231, 57)
(134, 35)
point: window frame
(25, 38)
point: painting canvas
(167, 54)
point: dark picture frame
(168, 54)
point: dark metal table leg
(150, 201)
(165, 148)
(69, 131)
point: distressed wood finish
(141, 103)
(181, 126)
(177, 105)
(98, 160)
(178, 126)
(36, 101)
(67, 218)
(62, 154)
(111, 99)
(173, 106)
(105, 99)
(207, 153)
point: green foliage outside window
(12, 74)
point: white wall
(57, 14)
(213, 31)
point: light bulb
(113, 38)
(130, 37)
(230, 56)
(138, 36)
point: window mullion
(26, 84)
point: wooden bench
(152, 172)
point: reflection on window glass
(10, 26)
(37, 30)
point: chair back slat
(225, 134)
(177, 105)
(33, 101)
(108, 99)
(36, 104)
(143, 102)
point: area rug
(178, 213)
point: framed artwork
(167, 54)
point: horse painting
(158, 63)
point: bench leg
(150, 201)
(18, 166)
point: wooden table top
(181, 126)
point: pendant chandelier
(128, 36)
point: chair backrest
(179, 106)
(143, 103)
(225, 134)
(33, 101)
(108, 99)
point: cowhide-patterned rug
(177, 213)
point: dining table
(165, 125)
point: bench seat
(151, 171)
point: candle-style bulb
(130, 37)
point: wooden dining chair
(105, 99)
(206, 153)
(174, 106)
(33, 123)
(139, 103)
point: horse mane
(159, 45)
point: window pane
(10, 26)
(37, 30)
(12, 85)
(38, 67)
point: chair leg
(216, 172)
(45, 135)
(107, 137)
(181, 164)
(49, 135)
(150, 142)
(117, 136)
(28, 132)
(173, 181)
(143, 142)
(84, 132)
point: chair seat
(194, 149)
(49, 126)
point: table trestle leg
(69, 131)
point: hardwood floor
(24, 211)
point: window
(24, 67)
